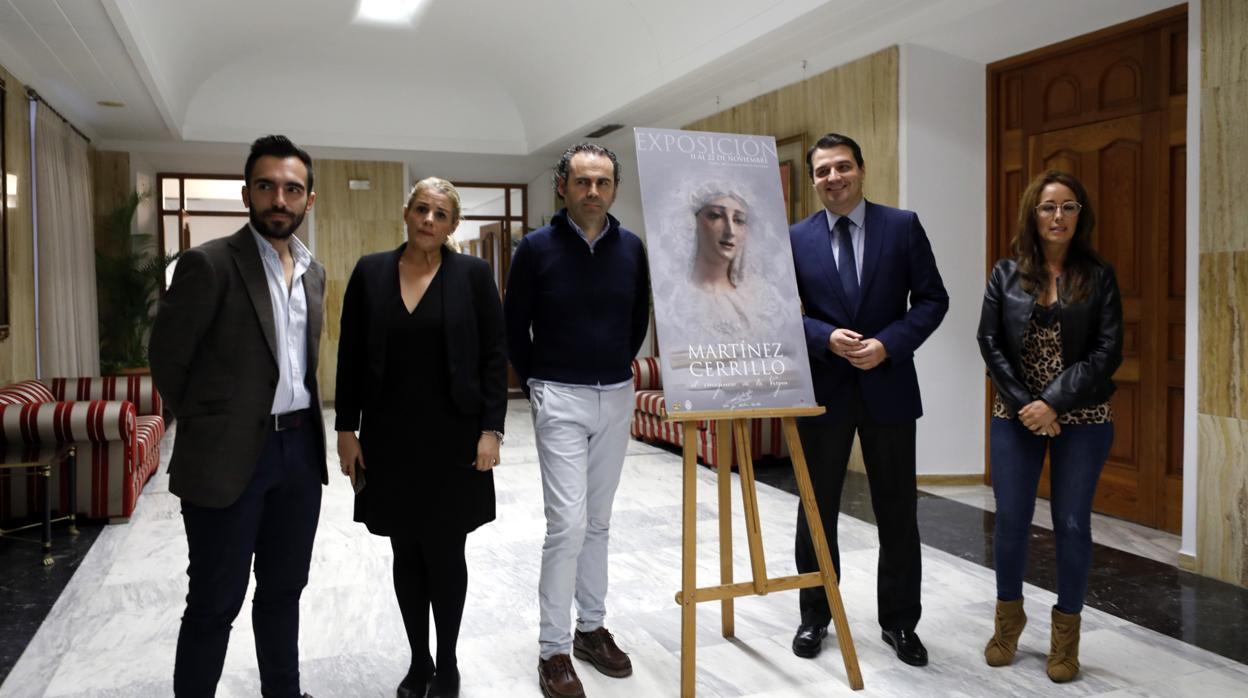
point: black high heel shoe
(415, 684)
(445, 684)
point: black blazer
(475, 349)
(213, 353)
(1091, 340)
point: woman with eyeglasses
(1051, 335)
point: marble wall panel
(1223, 177)
(1222, 434)
(1222, 535)
(1223, 26)
(1224, 334)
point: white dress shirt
(290, 319)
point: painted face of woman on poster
(721, 225)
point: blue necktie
(847, 267)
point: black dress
(418, 449)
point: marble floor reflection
(112, 630)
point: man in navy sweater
(577, 309)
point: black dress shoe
(809, 640)
(908, 646)
(445, 684)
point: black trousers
(430, 572)
(274, 521)
(888, 455)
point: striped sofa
(650, 410)
(116, 424)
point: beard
(275, 230)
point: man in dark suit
(233, 353)
(871, 294)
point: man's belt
(292, 420)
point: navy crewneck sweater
(587, 310)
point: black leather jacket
(1091, 340)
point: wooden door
(496, 251)
(1110, 108)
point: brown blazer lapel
(247, 259)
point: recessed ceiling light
(110, 103)
(387, 11)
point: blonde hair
(445, 188)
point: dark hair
(1081, 258)
(828, 141)
(565, 160)
(277, 146)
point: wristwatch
(497, 434)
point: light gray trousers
(582, 434)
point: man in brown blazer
(234, 353)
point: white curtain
(69, 342)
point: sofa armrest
(93, 421)
(138, 389)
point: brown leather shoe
(558, 679)
(598, 648)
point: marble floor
(113, 628)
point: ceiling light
(387, 11)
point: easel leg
(749, 502)
(689, 559)
(815, 522)
(723, 447)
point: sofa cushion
(650, 402)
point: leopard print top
(1042, 362)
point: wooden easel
(735, 422)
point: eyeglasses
(1069, 209)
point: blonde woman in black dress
(422, 377)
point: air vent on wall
(604, 130)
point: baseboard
(1187, 562)
(969, 479)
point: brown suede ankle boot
(1004, 643)
(1063, 664)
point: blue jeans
(1076, 457)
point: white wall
(942, 177)
(541, 198)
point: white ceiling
(500, 77)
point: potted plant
(130, 274)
